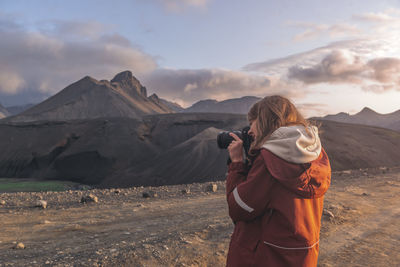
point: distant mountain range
(235, 105)
(14, 110)
(369, 117)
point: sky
(326, 56)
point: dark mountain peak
(154, 98)
(129, 83)
(124, 76)
(367, 111)
(85, 81)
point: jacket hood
(295, 144)
(309, 180)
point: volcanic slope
(161, 149)
(368, 116)
(88, 98)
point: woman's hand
(235, 149)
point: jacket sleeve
(248, 193)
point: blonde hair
(270, 113)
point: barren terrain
(185, 225)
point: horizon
(343, 59)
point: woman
(276, 201)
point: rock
(185, 191)
(212, 187)
(328, 213)
(2, 202)
(19, 245)
(89, 198)
(41, 204)
(149, 194)
(117, 191)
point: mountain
(368, 116)
(161, 149)
(235, 105)
(171, 105)
(14, 110)
(3, 112)
(88, 98)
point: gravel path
(186, 225)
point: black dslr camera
(224, 139)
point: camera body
(224, 139)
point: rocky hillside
(88, 98)
(161, 149)
(368, 116)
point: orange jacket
(276, 207)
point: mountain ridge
(89, 98)
(368, 116)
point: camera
(224, 139)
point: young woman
(276, 201)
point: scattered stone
(20, 245)
(347, 172)
(328, 213)
(156, 254)
(2, 202)
(117, 191)
(212, 187)
(185, 191)
(89, 198)
(41, 204)
(149, 194)
(46, 222)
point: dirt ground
(186, 226)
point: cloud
(10, 82)
(337, 67)
(314, 31)
(47, 61)
(73, 29)
(181, 5)
(188, 86)
(366, 48)
(377, 75)
(312, 109)
(375, 17)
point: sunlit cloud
(376, 75)
(46, 61)
(313, 31)
(366, 56)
